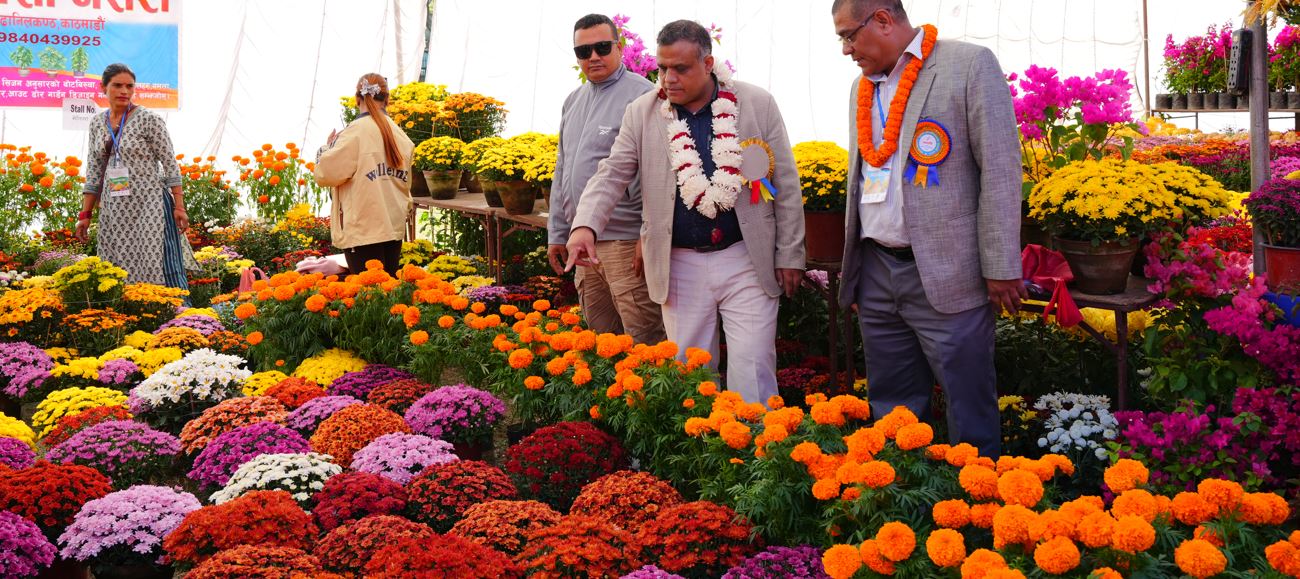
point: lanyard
(880, 110)
(118, 133)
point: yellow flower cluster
(38, 281)
(138, 339)
(541, 169)
(206, 312)
(415, 92)
(70, 401)
(152, 360)
(104, 275)
(416, 252)
(17, 307)
(1113, 199)
(472, 154)
(823, 172)
(61, 354)
(466, 283)
(80, 368)
(438, 154)
(448, 266)
(512, 159)
(258, 383)
(122, 353)
(11, 427)
(211, 255)
(327, 366)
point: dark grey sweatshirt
(589, 123)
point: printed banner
(51, 50)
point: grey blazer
(773, 232)
(967, 228)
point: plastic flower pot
(1289, 304)
(1227, 101)
(1196, 101)
(1164, 101)
(1277, 100)
(1293, 100)
(1283, 267)
(1211, 100)
(1179, 102)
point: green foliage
(80, 60)
(1060, 361)
(1189, 361)
(21, 57)
(51, 59)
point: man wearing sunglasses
(932, 248)
(613, 292)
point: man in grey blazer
(707, 250)
(932, 228)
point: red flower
(579, 546)
(555, 462)
(348, 548)
(699, 539)
(445, 556)
(354, 495)
(441, 494)
(50, 495)
(262, 518)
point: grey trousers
(909, 345)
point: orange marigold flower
(1133, 534)
(979, 563)
(981, 482)
(1051, 524)
(1095, 529)
(398, 309)
(896, 540)
(254, 338)
(520, 358)
(1106, 573)
(594, 412)
(897, 418)
(420, 337)
(1199, 558)
(1057, 556)
(850, 494)
(826, 489)
(541, 305)
(459, 303)
(283, 293)
(951, 514)
(1125, 474)
(557, 366)
(696, 358)
(534, 382)
(1203, 532)
(633, 383)
(841, 561)
(411, 317)
(446, 322)
(805, 452)
(738, 436)
(775, 402)
(960, 454)
(245, 311)
(878, 474)
(1285, 557)
(1263, 509)
(1135, 502)
(981, 515)
(688, 403)
(1223, 494)
(864, 443)
(936, 451)
(946, 547)
(914, 436)
(314, 303)
(707, 388)
(478, 307)
(1011, 525)
(869, 550)
(1019, 487)
(829, 413)
(581, 376)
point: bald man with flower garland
(710, 247)
(932, 247)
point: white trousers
(703, 285)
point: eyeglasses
(847, 39)
(602, 48)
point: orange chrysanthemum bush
(399, 395)
(626, 499)
(229, 415)
(443, 556)
(261, 518)
(697, 539)
(352, 428)
(348, 548)
(440, 495)
(504, 525)
(294, 392)
(579, 546)
(259, 561)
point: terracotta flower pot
(469, 182)
(442, 184)
(516, 196)
(824, 234)
(418, 187)
(490, 193)
(1102, 269)
(1283, 267)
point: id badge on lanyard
(116, 177)
(875, 182)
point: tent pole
(1146, 59)
(1259, 154)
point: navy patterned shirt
(690, 227)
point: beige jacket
(370, 199)
(773, 232)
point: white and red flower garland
(698, 191)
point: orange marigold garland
(893, 127)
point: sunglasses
(602, 48)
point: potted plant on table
(823, 170)
(439, 159)
(505, 165)
(471, 162)
(540, 171)
(1275, 210)
(1092, 210)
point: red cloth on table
(1049, 269)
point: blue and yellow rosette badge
(930, 147)
(757, 167)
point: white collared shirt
(884, 221)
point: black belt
(899, 253)
(709, 248)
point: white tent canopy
(272, 71)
